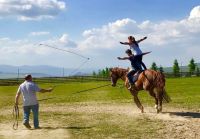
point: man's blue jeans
(35, 110)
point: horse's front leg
(137, 101)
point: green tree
(103, 73)
(192, 66)
(176, 68)
(161, 69)
(154, 66)
(197, 72)
(100, 73)
(94, 73)
(107, 72)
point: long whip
(65, 51)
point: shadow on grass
(186, 114)
(68, 127)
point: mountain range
(8, 71)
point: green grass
(184, 92)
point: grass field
(106, 112)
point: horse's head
(116, 73)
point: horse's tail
(159, 80)
(160, 83)
(166, 97)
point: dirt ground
(179, 123)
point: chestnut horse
(149, 80)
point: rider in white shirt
(136, 49)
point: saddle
(136, 75)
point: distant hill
(8, 71)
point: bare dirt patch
(177, 123)
(6, 132)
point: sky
(94, 28)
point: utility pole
(181, 69)
(63, 72)
(18, 74)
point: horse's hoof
(159, 110)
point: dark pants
(136, 64)
(130, 76)
(35, 110)
(139, 60)
(132, 79)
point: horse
(149, 80)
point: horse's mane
(119, 71)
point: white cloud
(178, 38)
(64, 38)
(27, 52)
(195, 13)
(39, 33)
(65, 41)
(31, 9)
(166, 39)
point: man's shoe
(27, 125)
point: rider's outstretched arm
(122, 58)
(125, 43)
(138, 41)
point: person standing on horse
(28, 89)
(137, 51)
(136, 68)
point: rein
(15, 116)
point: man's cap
(27, 76)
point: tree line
(193, 68)
(101, 73)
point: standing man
(28, 89)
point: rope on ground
(15, 116)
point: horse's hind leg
(151, 92)
(137, 101)
(159, 96)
